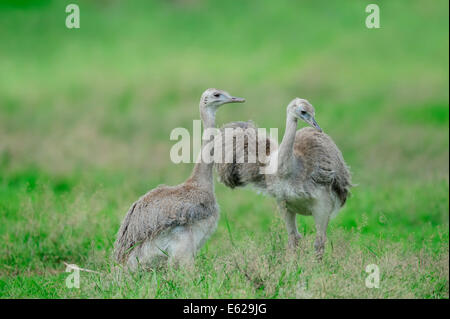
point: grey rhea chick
(311, 177)
(171, 223)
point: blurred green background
(85, 118)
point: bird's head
(302, 109)
(212, 99)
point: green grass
(85, 118)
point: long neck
(202, 173)
(285, 151)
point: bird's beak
(314, 123)
(234, 99)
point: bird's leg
(321, 221)
(184, 261)
(291, 225)
(183, 250)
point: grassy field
(85, 118)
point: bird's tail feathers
(247, 158)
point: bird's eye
(216, 94)
(303, 112)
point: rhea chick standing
(173, 222)
(311, 177)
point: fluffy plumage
(323, 161)
(161, 209)
(241, 172)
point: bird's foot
(294, 240)
(320, 249)
(319, 255)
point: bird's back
(162, 209)
(323, 161)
